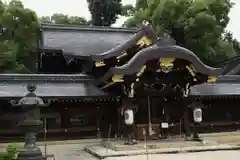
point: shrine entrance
(163, 117)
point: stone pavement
(217, 155)
(212, 142)
(101, 152)
(155, 144)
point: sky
(80, 8)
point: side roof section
(225, 86)
(230, 66)
(49, 86)
(82, 40)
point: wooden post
(119, 122)
(150, 131)
(45, 136)
(98, 121)
(186, 122)
(65, 117)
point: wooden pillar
(165, 119)
(98, 113)
(186, 122)
(149, 106)
(64, 116)
(119, 121)
(114, 119)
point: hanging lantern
(128, 116)
(197, 115)
(164, 125)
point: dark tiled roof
(48, 86)
(229, 65)
(215, 89)
(83, 40)
(228, 79)
(227, 85)
(228, 61)
(43, 78)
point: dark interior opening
(52, 63)
(74, 66)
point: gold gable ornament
(117, 78)
(211, 79)
(141, 71)
(144, 41)
(166, 61)
(166, 64)
(190, 70)
(99, 64)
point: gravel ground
(66, 151)
(75, 152)
(69, 152)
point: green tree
(45, 19)
(127, 10)
(228, 36)
(197, 25)
(59, 18)
(104, 12)
(18, 44)
(76, 20)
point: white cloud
(234, 24)
(49, 7)
(80, 8)
(70, 7)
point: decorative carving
(31, 88)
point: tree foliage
(228, 36)
(127, 10)
(19, 40)
(104, 12)
(59, 18)
(198, 25)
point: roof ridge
(86, 28)
(46, 78)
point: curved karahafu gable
(144, 37)
(166, 55)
